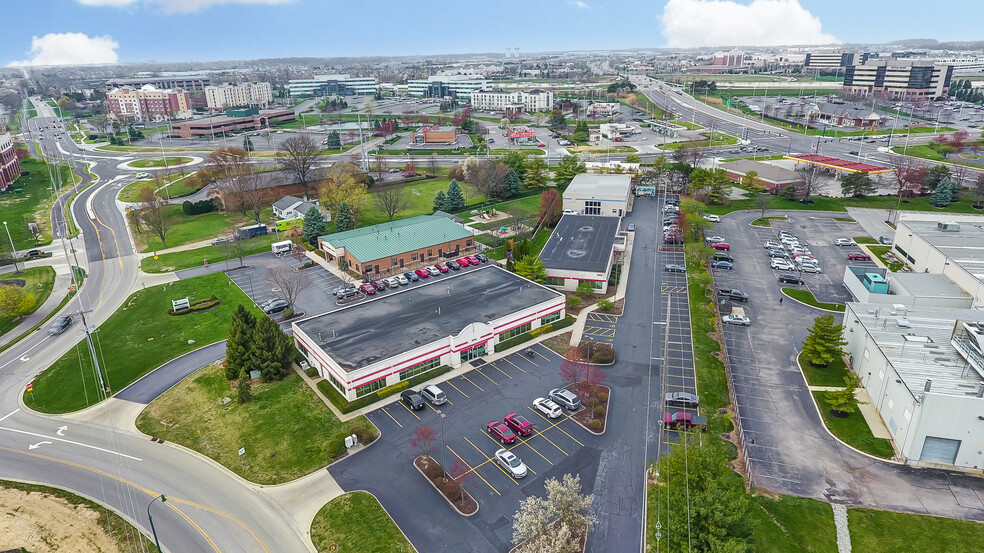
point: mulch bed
(18, 282)
(450, 489)
(559, 343)
(587, 414)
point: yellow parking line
(491, 461)
(539, 433)
(457, 388)
(475, 471)
(479, 371)
(513, 364)
(391, 416)
(408, 409)
(565, 432)
(526, 442)
(543, 356)
(472, 383)
(500, 370)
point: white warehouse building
(599, 194)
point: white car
(790, 241)
(402, 279)
(142, 175)
(714, 238)
(810, 268)
(713, 218)
(740, 320)
(549, 409)
(770, 245)
(782, 264)
(844, 242)
(434, 271)
(510, 463)
(391, 282)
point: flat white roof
(586, 184)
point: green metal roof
(396, 237)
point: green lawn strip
(789, 524)
(192, 228)
(178, 187)
(767, 221)
(146, 149)
(113, 525)
(602, 149)
(460, 152)
(925, 151)
(421, 202)
(880, 251)
(864, 240)
(831, 375)
(32, 204)
(686, 124)
(175, 261)
(44, 321)
(287, 430)
(155, 162)
(853, 430)
(720, 139)
(712, 382)
(136, 339)
(807, 297)
(889, 532)
(357, 522)
(39, 281)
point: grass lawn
(712, 383)
(808, 298)
(192, 228)
(719, 140)
(357, 522)
(880, 252)
(864, 240)
(287, 430)
(155, 162)
(138, 338)
(793, 524)
(687, 124)
(767, 221)
(146, 149)
(888, 532)
(831, 375)
(853, 431)
(420, 204)
(39, 281)
(33, 204)
(175, 261)
(177, 188)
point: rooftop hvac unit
(948, 226)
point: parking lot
(600, 327)
(679, 373)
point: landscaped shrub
(312, 372)
(602, 396)
(336, 449)
(390, 390)
(199, 207)
(573, 302)
(365, 433)
(596, 424)
(606, 305)
(594, 402)
(599, 411)
(200, 305)
(598, 352)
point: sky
(62, 32)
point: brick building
(9, 166)
(434, 134)
(235, 120)
(148, 103)
(398, 246)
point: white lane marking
(61, 430)
(69, 442)
(9, 414)
(25, 354)
(88, 201)
(37, 445)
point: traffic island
(450, 488)
(593, 416)
(357, 521)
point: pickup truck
(674, 421)
(732, 294)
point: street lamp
(12, 247)
(444, 448)
(861, 146)
(151, 519)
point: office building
(185, 82)
(900, 79)
(514, 101)
(148, 103)
(434, 134)
(447, 86)
(225, 96)
(9, 166)
(332, 85)
(235, 120)
(599, 194)
(833, 60)
(580, 250)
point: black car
(791, 279)
(412, 399)
(722, 256)
(674, 268)
(276, 306)
(59, 325)
(340, 291)
(482, 257)
(453, 266)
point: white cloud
(692, 23)
(177, 6)
(579, 4)
(70, 49)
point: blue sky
(65, 31)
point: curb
(603, 428)
(808, 305)
(453, 506)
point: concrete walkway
(623, 283)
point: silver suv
(433, 394)
(565, 398)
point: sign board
(178, 305)
(30, 387)
(242, 451)
(254, 375)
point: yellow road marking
(383, 409)
(479, 371)
(472, 383)
(500, 370)
(457, 388)
(475, 471)
(493, 462)
(409, 410)
(513, 364)
(526, 442)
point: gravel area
(843, 534)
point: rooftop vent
(948, 226)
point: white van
(282, 248)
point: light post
(151, 519)
(895, 122)
(861, 146)
(444, 449)
(12, 247)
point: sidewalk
(623, 283)
(63, 278)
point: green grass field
(33, 204)
(287, 430)
(767, 221)
(889, 532)
(808, 298)
(853, 430)
(136, 339)
(358, 521)
(158, 162)
(831, 375)
(880, 252)
(177, 187)
(175, 261)
(719, 140)
(39, 282)
(193, 228)
(792, 525)
(421, 203)
(602, 149)
(823, 203)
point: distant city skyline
(57, 32)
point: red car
(859, 255)
(369, 289)
(721, 246)
(464, 261)
(379, 286)
(473, 260)
(442, 267)
(422, 273)
(541, 145)
(501, 432)
(522, 426)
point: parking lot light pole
(151, 519)
(12, 247)
(444, 449)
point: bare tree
(235, 246)
(763, 202)
(392, 199)
(979, 188)
(432, 165)
(489, 177)
(909, 177)
(291, 283)
(960, 174)
(379, 164)
(253, 196)
(153, 213)
(810, 180)
(298, 155)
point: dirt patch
(40, 522)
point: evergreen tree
(532, 268)
(857, 185)
(455, 199)
(244, 389)
(569, 167)
(511, 190)
(314, 226)
(248, 144)
(240, 336)
(825, 341)
(285, 351)
(935, 176)
(334, 142)
(263, 353)
(536, 173)
(944, 193)
(440, 200)
(346, 219)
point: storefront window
(515, 331)
(420, 368)
(370, 388)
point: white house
(292, 207)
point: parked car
(721, 246)
(782, 264)
(844, 242)
(434, 271)
(779, 253)
(723, 265)
(565, 398)
(519, 424)
(859, 256)
(339, 291)
(630, 227)
(549, 409)
(453, 265)
(736, 319)
(772, 245)
(791, 279)
(722, 256)
(713, 218)
(682, 399)
(482, 257)
(217, 241)
(412, 399)
(379, 286)
(501, 432)
(674, 268)
(422, 273)
(411, 276)
(463, 262)
(510, 463)
(714, 239)
(433, 394)
(685, 420)
(392, 282)
(276, 306)
(473, 259)
(402, 279)
(369, 289)
(810, 268)
(59, 325)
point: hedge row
(527, 336)
(346, 406)
(200, 305)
